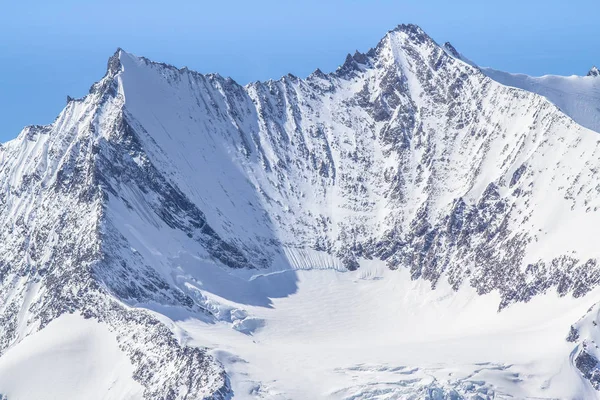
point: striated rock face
(404, 154)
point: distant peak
(451, 50)
(413, 33)
(594, 71)
(349, 67)
(353, 63)
(318, 73)
(360, 57)
(114, 62)
(409, 28)
(113, 67)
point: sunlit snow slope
(404, 227)
(576, 96)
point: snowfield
(333, 338)
(410, 226)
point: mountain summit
(167, 200)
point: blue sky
(51, 49)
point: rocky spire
(451, 50)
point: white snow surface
(333, 338)
(72, 358)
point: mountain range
(410, 225)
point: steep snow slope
(168, 205)
(576, 96)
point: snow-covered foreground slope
(71, 357)
(400, 227)
(333, 339)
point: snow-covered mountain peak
(169, 189)
(402, 43)
(396, 95)
(404, 38)
(413, 31)
(594, 71)
(399, 48)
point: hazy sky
(51, 49)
